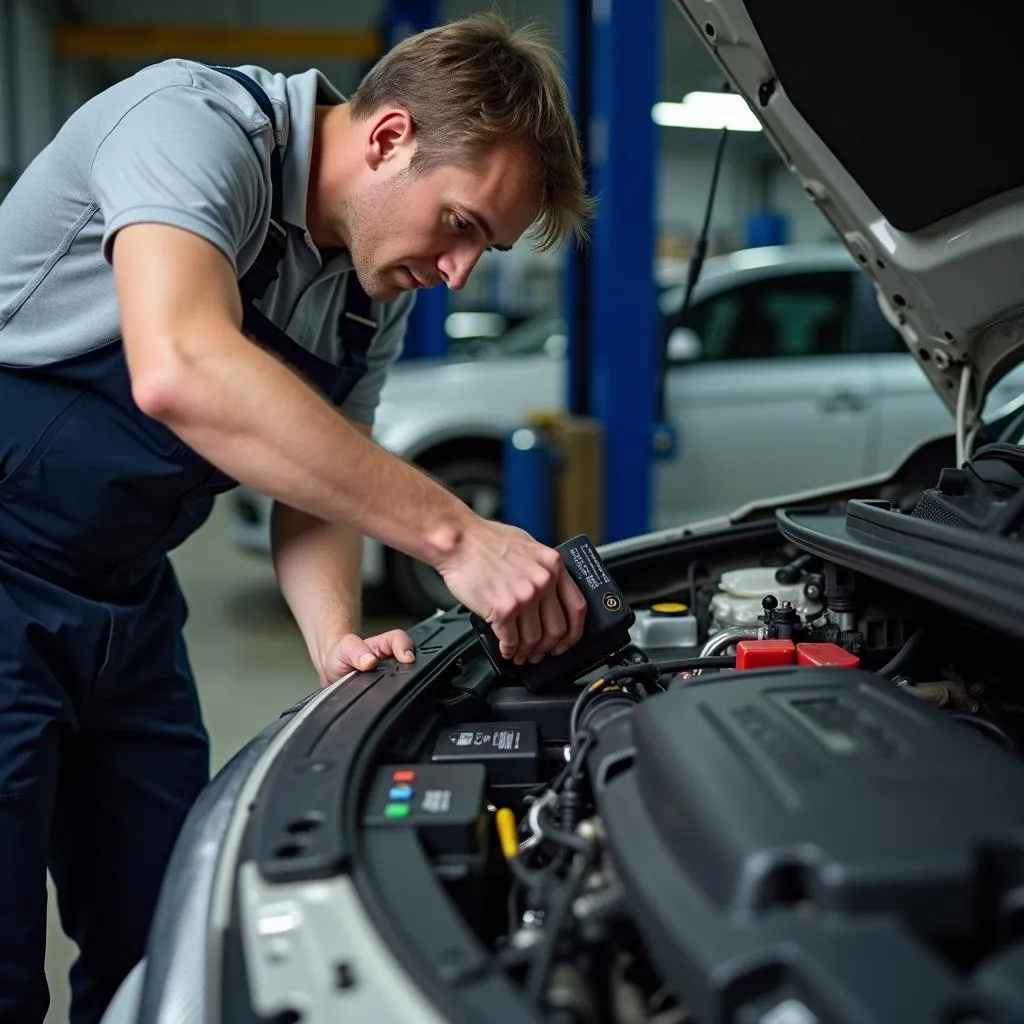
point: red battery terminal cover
(751, 654)
(825, 656)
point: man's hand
(352, 653)
(520, 588)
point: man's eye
(459, 223)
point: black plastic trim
(978, 576)
(295, 831)
(402, 895)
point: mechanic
(204, 279)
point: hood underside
(900, 121)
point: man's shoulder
(195, 87)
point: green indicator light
(397, 811)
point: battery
(508, 751)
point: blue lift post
(613, 72)
(425, 335)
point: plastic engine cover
(813, 842)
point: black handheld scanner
(605, 631)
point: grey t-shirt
(182, 144)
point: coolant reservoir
(667, 624)
(738, 599)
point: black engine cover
(802, 846)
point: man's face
(409, 229)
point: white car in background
(785, 377)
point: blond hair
(476, 83)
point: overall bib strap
(257, 279)
(357, 324)
(356, 328)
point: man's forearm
(251, 416)
(194, 370)
(319, 569)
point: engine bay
(794, 796)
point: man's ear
(391, 138)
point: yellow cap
(506, 823)
(669, 608)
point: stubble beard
(364, 214)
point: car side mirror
(684, 345)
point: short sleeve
(361, 404)
(181, 157)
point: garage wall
(36, 92)
(752, 178)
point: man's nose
(456, 265)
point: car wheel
(478, 483)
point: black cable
(536, 979)
(551, 832)
(985, 725)
(891, 667)
(655, 669)
(686, 664)
(512, 906)
(574, 717)
(693, 273)
(638, 671)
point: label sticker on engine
(506, 739)
(501, 739)
(437, 801)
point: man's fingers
(353, 652)
(553, 620)
(396, 643)
(575, 608)
(530, 632)
(506, 629)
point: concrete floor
(249, 660)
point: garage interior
(654, 161)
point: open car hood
(898, 121)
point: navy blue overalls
(102, 744)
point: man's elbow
(162, 381)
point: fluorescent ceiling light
(707, 110)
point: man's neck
(327, 178)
